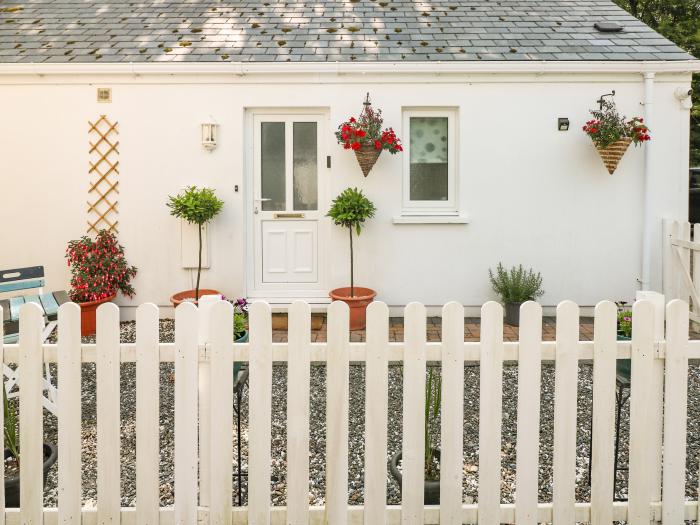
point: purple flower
(627, 318)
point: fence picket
(298, 377)
(186, 365)
(452, 414)
(640, 416)
(565, 393)
(413, 449)
(147, 414)
(376, 411)
(221, 431)
(675, 412)
(69, 414)
(108, 424)
(490, 409)
(260, 404)
(337, 407)
(603, 422)
(2, 416)
(528, 437)
(31, 436)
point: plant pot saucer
(188, 296)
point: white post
(656, 397)
(204, 315)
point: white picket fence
(203, 384)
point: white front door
(287, 223)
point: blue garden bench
(25, 285)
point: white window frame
(449, 207)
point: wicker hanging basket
(367, 156)
(613, 153)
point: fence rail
(203, 343)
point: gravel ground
(356, 423)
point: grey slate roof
(363, 30)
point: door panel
(289, 251)
(287, 153)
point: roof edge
(245, 68)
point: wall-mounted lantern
(210, 132)
(563, 124)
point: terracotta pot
(358, 304)
(188, 296)
(88, 315)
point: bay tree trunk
(199, 265)
(352, 269)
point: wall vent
(104, 94)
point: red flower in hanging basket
(364, 135)
(612, 134)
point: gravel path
(356, 423)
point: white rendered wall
(533, 195)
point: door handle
(258, 200)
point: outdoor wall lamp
(563, 124)
(210, 131)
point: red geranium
(366, 131)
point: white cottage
(245, 97)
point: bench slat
(50, 305)
(21, 285)
(61, 297)
(21, 274)
(15, 303)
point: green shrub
(516, 285)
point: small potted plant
(612, 133)
(240, 320)
(99, 270)
(196, 206)
(364, 135)
(624, 333)
(431, 487)
(12, 456)
(515, 286)
(350, 210)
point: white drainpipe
(648, 213)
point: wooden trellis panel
(104, 176)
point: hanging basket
(613, 153)
(367, 157)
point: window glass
(305, 166)
(429, 174)
(272, 166)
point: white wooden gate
(645, 503)
(681, 264)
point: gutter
(339, 68)
(648, 158)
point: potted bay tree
(196, 206)
(350, 210)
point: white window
(429, 182)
